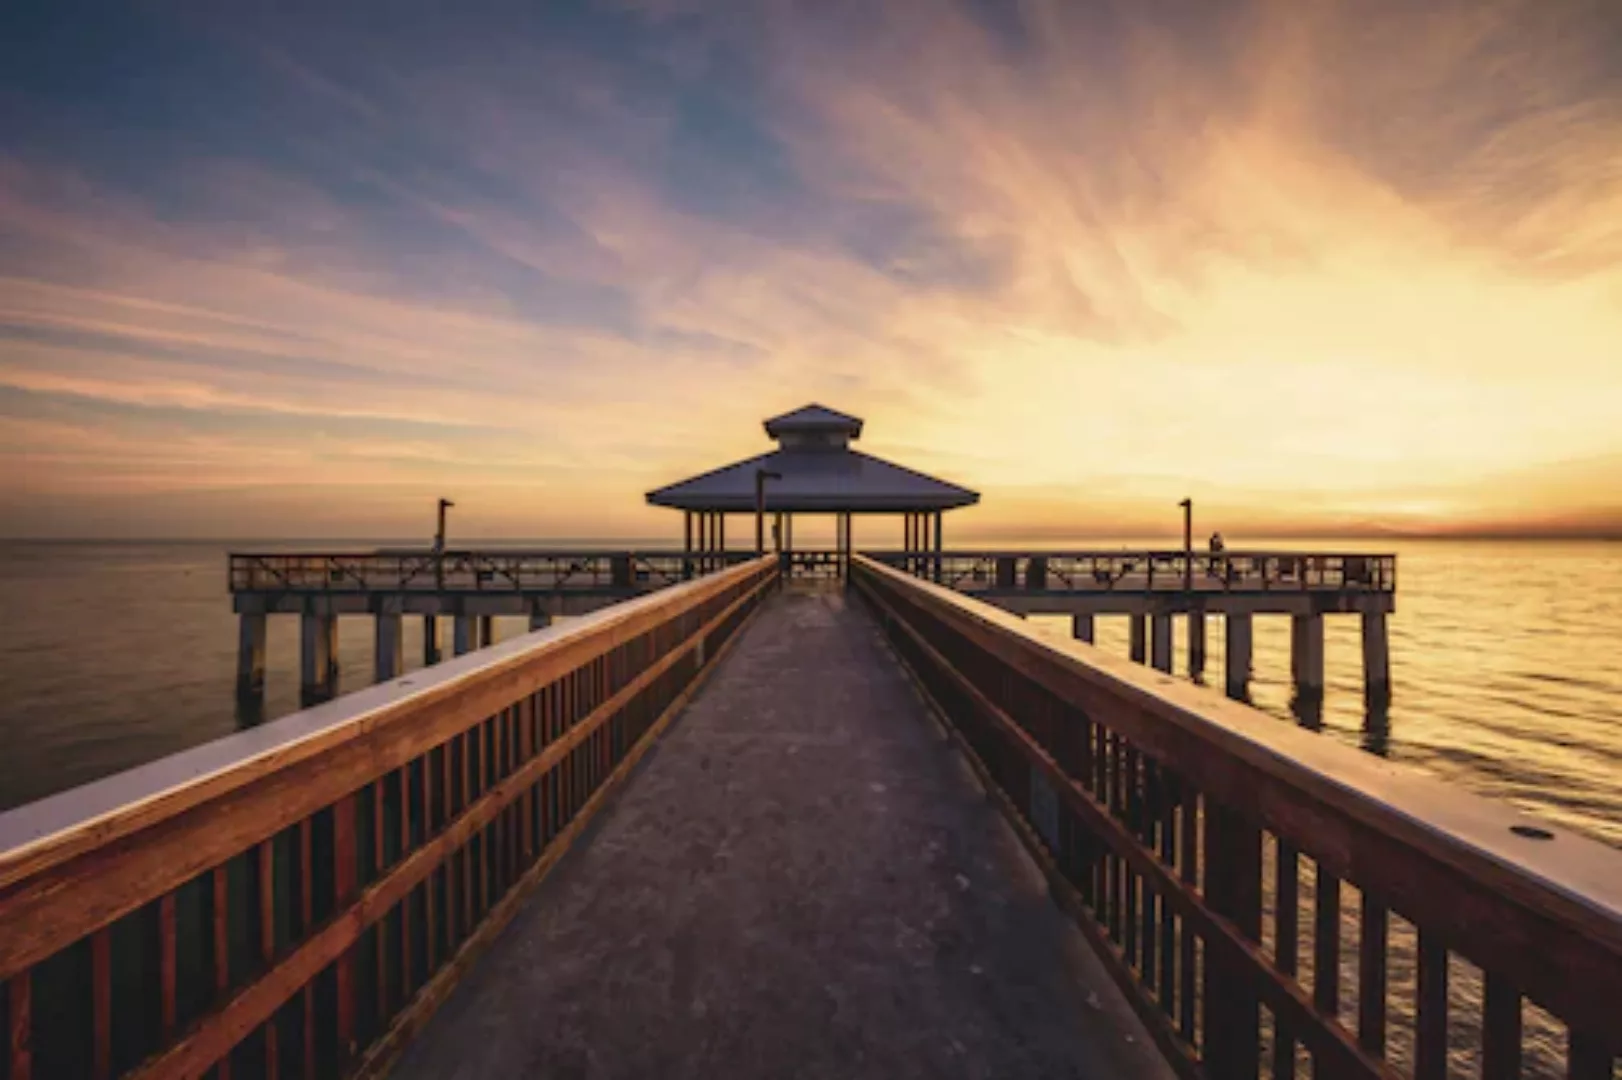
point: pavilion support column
(1307, 656)
(464, 634)
(1138, 636)
(315, 657)
(1196, 644)
(1238, 648)
(1376, 661)
(1160, 657)
(432, 647)
(250, 655)
(940, 529)
(687, 545)
(1082, 627)
(389, 645)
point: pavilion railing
(295, 899)
(1271, 901)
(492, 571)
(1151, 571)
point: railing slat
(1186, 991)
(344, 879)
(1430, 1036)
(1500, 1029)
(1286, 933)
(166, 965)
(267, 945)
(1326, 944)
(101, 990)
(1588, 1059)
(1371, 977)
(20, 1024)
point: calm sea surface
(1506, 661)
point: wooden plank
(65, 885)
(1371, 975)
(1430, 1028)
(1501, 1030)
(20, 1025)
(253, 1003)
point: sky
(1346, 268)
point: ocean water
(1506, 666)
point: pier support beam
(389, 654)
(464, 634)
(251, 656)
(316, 683)
(1082, 627)
(432, 648)
(1160, 642)
(1238, 633)
(487, 631)
(1307, 656)
(1376, 661)
(1196, 644)
(1138, 633)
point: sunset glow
(1324, 267)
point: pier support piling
(539, 620)
(316, 683)
(432, 649)
(1307, 656)
(1376, 661)
(487, 631)
(1082, 627)
(1138, 634)
(389, 662)
(464, 634)
(1196, 645)
(332, 652)
(1237, 629)
(1160, 657)
(251, 656)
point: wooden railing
(294, 900)
(1190, 836)
(1152, 571)
(493, 571)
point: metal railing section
(1270, 901)
(472, 571)
(295, 899)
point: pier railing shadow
(1189, 836)
(296, 899)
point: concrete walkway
(801, 880)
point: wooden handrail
(1157, 807)
(384, 820)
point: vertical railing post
(1233, 852)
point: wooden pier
(782, 812)
(404, 877)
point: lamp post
(439, 544)
(761, 476)
(1188, 544)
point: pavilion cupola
(814, 427)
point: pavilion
(812, 471)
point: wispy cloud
(1286, 255)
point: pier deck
(802, 880)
